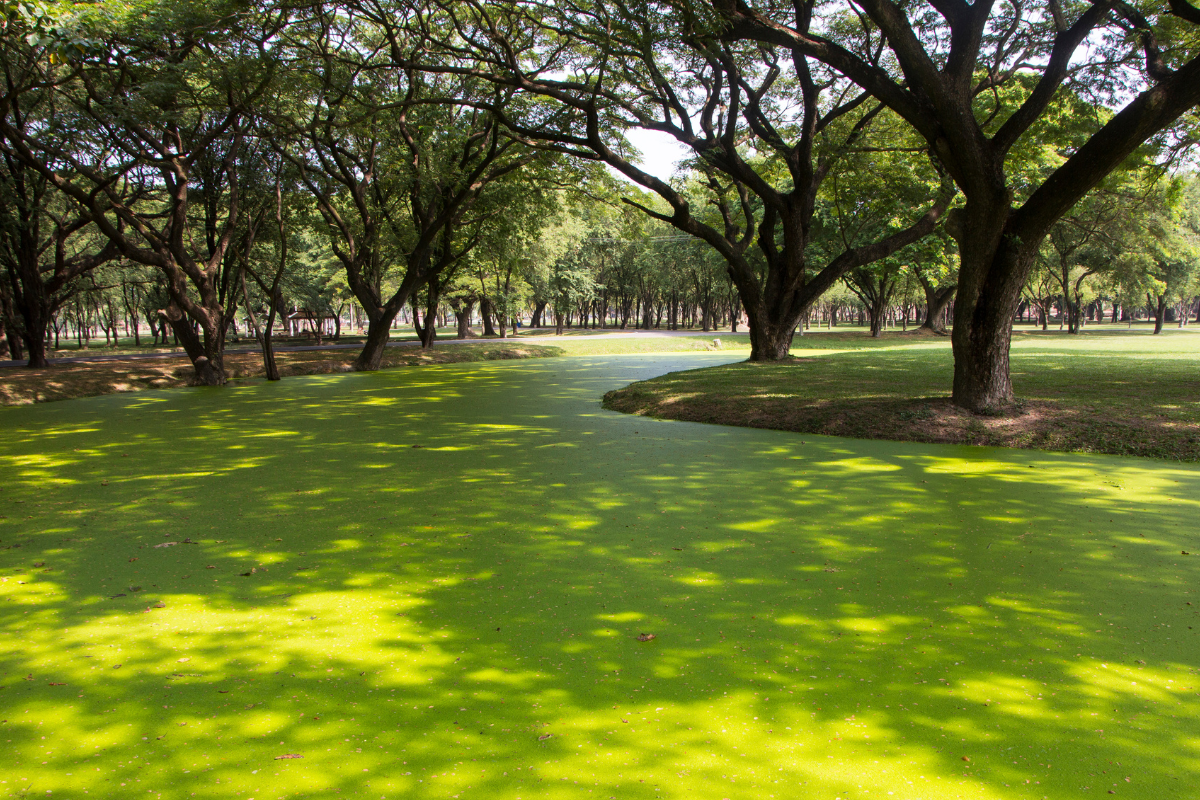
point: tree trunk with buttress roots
(379, 327)
(993, 269)
(205, 357)
(936, 300)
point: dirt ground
(20, 385)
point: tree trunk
(209, 371)
(462, 315)
(35, 342)
(936, 301)
(268, 349)
(379, 326)
(993, 268)
(429, 332)
(485, 313)
(877, 312)
(770, 342)
(1160, 313)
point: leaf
(646, 637)
(544, 738)
(288, 755)
(167, 544)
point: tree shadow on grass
(452, 564)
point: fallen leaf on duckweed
(544, 738)
(289, 755)
(646, 637)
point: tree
(764, 142)
(46, 240)
(1159, 254)
(1087, 240)
(947, 65)
(398, 162)
(150, 124)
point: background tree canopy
(227, 169)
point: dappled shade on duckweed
(832, 618)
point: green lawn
(1109, 390)
(833, 618)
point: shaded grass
(833, 618)
(1107, 391)
(20, 385)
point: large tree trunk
(206, 363)
(485, 313)
(771, 342)
(36, 317)
(462, 315)
(936, 301)
(1160, 313)
(877, 311)
(379, 327)
(992, 271)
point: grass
(21, 386)
(428, 583)
(1109, 390)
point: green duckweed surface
(429, 583)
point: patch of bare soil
(20, 385)
(1041, 425)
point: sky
(660, 152)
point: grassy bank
(1109, 390)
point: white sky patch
(661, 152)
